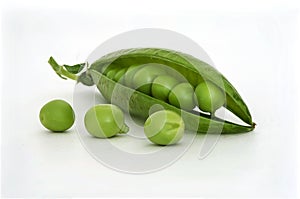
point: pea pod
(193, 69)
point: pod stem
(65, 71)
(124, 129)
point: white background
(253, 44)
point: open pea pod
(139, 104)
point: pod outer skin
(193, 69)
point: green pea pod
(193, 69)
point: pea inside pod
(144, 77)
(130, 73)
(119, 76)
(182, 96)
(209, 97)
(111, 73)
(162, 86)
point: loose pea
(182, 96)
(209, 97)
(144, 77)
(162, 86)
(57, 115)
(164, 127)
(105, 120)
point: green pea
(164, 127)
(119, 75)
(162, 85)
(130, 73)
(111, 73)
(144, 77)
(108, 67)
(209, 97)
(182, 96)
(105, 120)
(57, 115)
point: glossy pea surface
(119, 75)
(57, 115)
(182, 96)
(105, 121)
(209, 97)
(111, 73)
(162, 86)
(128, 77)
(143, 78)
(164, 127)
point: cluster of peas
(169, 86)
(107, 120)
(163, 127)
